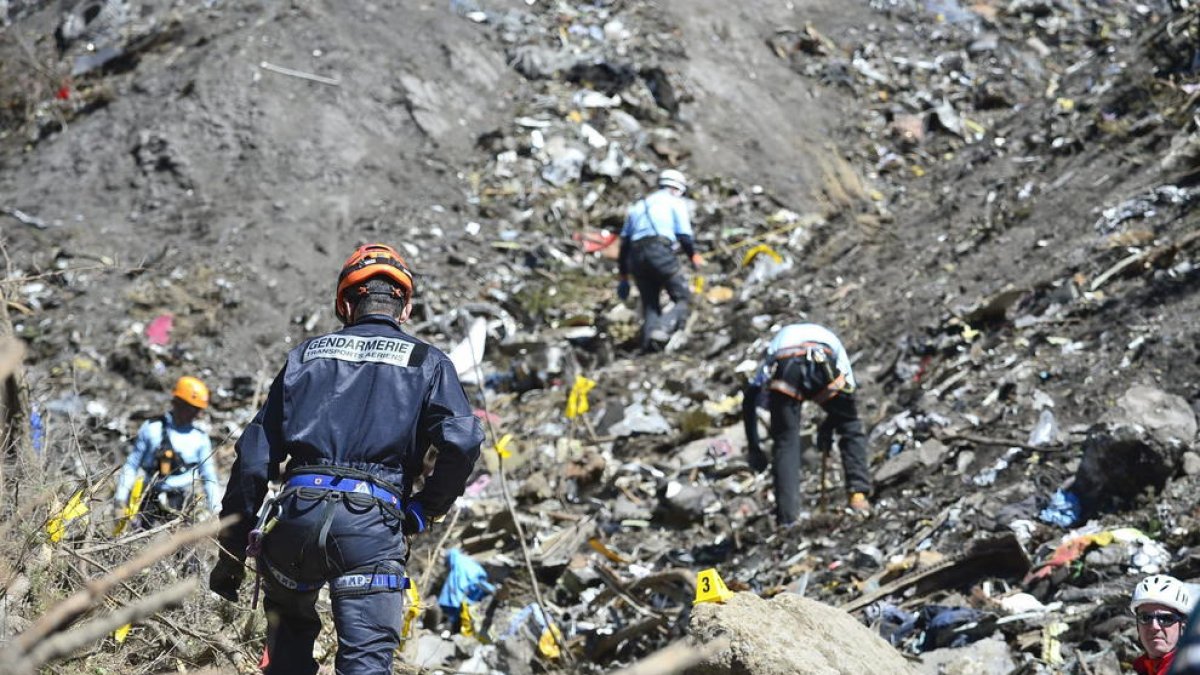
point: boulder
(1191, 463)
(1167, 417)
(930, 453)
(790, 634)
(978, 658)
(1120, 462)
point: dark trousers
(368, 630)
(311, 544)
(841, 417)
(160, 506)
(656, 268)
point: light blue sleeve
(627, 229)
(683, 222)
(133, 464)
(776, 342)
(208, 474)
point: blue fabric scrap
(1063, 510)
(467, 580)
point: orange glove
(697, 261)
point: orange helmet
(191, 391)
(367, 262)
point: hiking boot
(859, 504)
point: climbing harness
(817, 355)
(331, 485)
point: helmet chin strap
(395, 292)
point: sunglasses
(1164, 619)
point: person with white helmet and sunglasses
(653, 226)
(1160, 606)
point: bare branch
(65, 643)
(123, 541)
(69, 609)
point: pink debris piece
(159, 330)
(477, 486)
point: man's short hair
(380, 298)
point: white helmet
(670, 178)
(1162, 590)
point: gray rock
(614, 163)
(624, 509)
(433, 651)
(790, 634)
(728, 445)
(1191, 463)
(640, 419)
(1106, 663)
(1107, 556)
(978, 658)
(931, 453)
(1120, 461)
(1167, 416)
(683, 504)
(565, 162)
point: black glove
(226, 577)
(756, 458)
(623, 289)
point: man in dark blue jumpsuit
(352, 413)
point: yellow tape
(577, 400)
(548, 642)
(75, 508)
(131, 509)
(763, 249)
(412, 611)
(501, 446)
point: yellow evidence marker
(711, 588)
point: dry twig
(991, 440)
(299, 74)
(65, 643)
(75, 605)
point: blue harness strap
(342, 484)
(354, 582)
(363, 582)
(368, 582)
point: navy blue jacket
(367, 397)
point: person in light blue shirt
(799, 333)
(172, 452)
(806, 362)
(653, 226)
